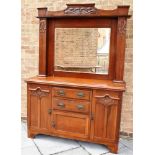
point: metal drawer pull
(61, 92)
(49, 111)
(80, 107)
(61, 105)
(80, 94)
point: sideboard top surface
(78, 82)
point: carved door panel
(71, 124)
(38, 107)
(105, 110)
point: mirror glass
(83, 50)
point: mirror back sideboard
(79, 97)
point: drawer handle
(61, 105)
(80, 107)
(61, 92)
(80, 94)
(49, 111)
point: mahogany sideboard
(81, 106)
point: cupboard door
(71, 124)
(38, 107)
(106, 107)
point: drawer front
(71, 124)
(72, 93)
(71, 105)
(102, 93)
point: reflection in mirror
(82, 50)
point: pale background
(30, 49)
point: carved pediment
(80, 9)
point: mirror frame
(83, 16)
(83, 23)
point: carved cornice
(39, 92)
(107, 100)
(80, 10)
(122, 27)
(84, 10)
(42, 26)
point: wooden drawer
(104, 93)
(72, 93)
(71, 105)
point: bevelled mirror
(85, 50)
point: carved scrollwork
(80, 10)
(42, 26)
(107, 100)
(122, 27)
(39, 92)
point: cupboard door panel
(39, 101)
(98, 119)
(71, 124)
(105, 109)
(34, 111)
(44, 106)
(111, 121)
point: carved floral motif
(107, 100)
(38, 92)
(122, 27)
(80, 10)
(42, 26)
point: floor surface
(47, 145)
